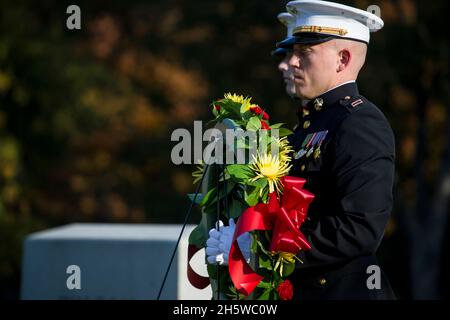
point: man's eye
(302, 51)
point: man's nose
(294, 61)
(283, 66)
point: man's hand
(219, 243)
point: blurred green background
(86, 115)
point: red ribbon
(198, 281)
(283, 218)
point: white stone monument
(109, 261)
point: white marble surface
(117, 261)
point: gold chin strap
(319, 29)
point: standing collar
(346, 90)
(349, 89)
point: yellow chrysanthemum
(270, 167)
(234, 97)
(285, 149)
(284, 258)
(197, 174)
(239, 99)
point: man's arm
(363, 170)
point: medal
(317, 153)
(322, 136)
(300, 154)
(306, 141)
(311, 144)
(302, 151)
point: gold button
(305, 112)
(323, 281)
(318, 107)
(303, 167)
(306, 124)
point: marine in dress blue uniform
(288, 20)
(345, 148)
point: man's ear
(344, 59)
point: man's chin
(302, 93)
(290, 90)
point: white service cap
(318, 21)
(288, 20)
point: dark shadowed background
(86, 115)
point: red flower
(217, 107)
(264, 125)
(257, 110)
(285, 290)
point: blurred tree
(86, 116)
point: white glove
(218, 244)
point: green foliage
(252, 197)
(236, 209)
(254, 124)
(198, 235)
(240, 173)
(211, 197)
(284, 132)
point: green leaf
(284, 132)
(240, 123)
(277, 125)
(232, 108)
(288, 268)
(264, 284)
(243, 108)
(273, 295)
(254, 124)
(265, 295)
(252, 197)
(265, 195)
(236, 208)
(263, 140)
(260, 183)
(276, 276)
(198, 236)
(265, 262)
(211, 197)
(246, 115)
(239, 172)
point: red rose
(264, 125)
(217, 108)
(285, 290)
(257, 110)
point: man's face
(288, 74)
(314, 68)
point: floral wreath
(267, 203)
